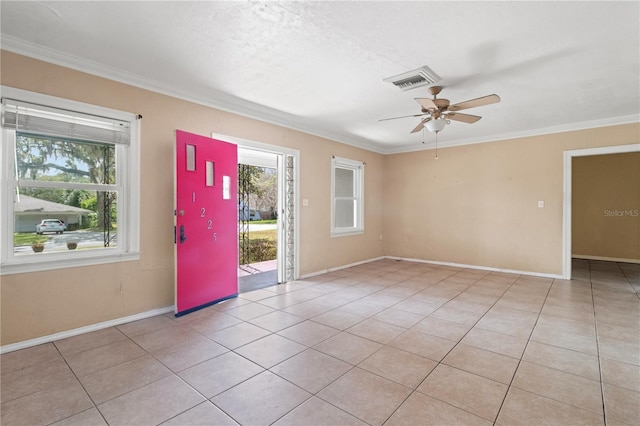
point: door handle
(183, 237)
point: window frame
(358, 175)
(127, 185)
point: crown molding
(585, 125)
(216, 99)
(225, 102)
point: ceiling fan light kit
(434, 126)
(438, 111)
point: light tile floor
(388, 342)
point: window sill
(59, 262)
(347, 233)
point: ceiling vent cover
(423, 76)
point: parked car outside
(51, 225)
(254, 215)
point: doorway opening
(279, 164)
(567, 255)
(257, 220)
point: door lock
(183, 237)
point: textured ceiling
(319, 66)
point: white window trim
(128, 169)
(358, 168)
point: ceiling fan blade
(427, 103)
(465, 118)
(485, 100)
(404, 116)
(420, 125)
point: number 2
(202, 211)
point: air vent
(423, 76)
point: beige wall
(478, 204)
(38, 304)
(606, 206)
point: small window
(347, 196)
(69, 183)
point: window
(347, 196)
(70, 183)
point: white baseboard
(603, 258)
(94, 327)
(86, 329)
(337, 268)
(482, 268)
(434, 262)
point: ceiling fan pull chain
(437, 145)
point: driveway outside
(58, 242)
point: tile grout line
(454, 346)
(523, 352)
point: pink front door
(206, 221)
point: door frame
(567, 201)
(281, 153)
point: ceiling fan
(438, 112)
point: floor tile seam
(339, 331)
(361, 337)
(351, 368)
(279, 362)
(126, 337)
(72, 377)
(78, 378)
(475, 373)
(315, 394)
(136, 388)
(623, 389)
(403, 401)
(593, 301)
(562, 371)
(84, 389)
(213, 332)
(35, 367)
(316, 343)
(468, 331)
(228, 414)
(457, 407)
(288, 412)
(599, 412)
(560, 324)
(391, 380)
(561, 347)
(352, 414)
(601, 415)
(227, 350)
(458, 343)
(515, 372)
(620, 362)
(230, 387)
(493, 351)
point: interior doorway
(279, 164)
(568, 196)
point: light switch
(541, 204)
(305, 202)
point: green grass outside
(27, 238)
(264, 222)
(269, 235)
(262, 246)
